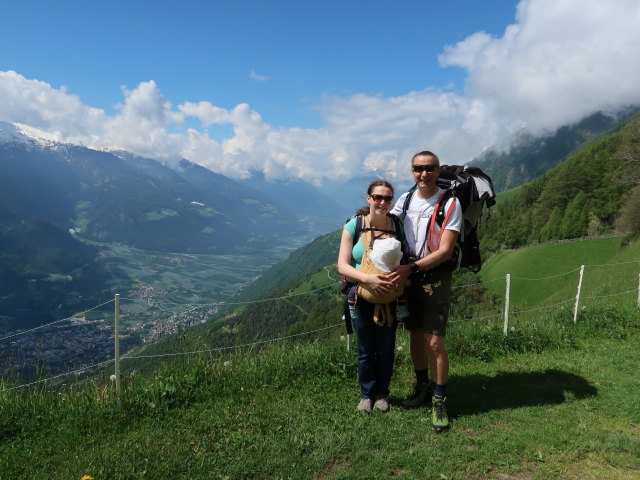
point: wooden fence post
(117, 349)
(575, 310)
(506, 305)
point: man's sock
(422, 376)
(440, 390)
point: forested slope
(529, 158)
(583, 196)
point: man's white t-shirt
(416, 222)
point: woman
(376, 343)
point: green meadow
(549, 274)
(545, 409)
(550, 400)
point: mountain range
(119, 197)
(63, 207)
(59, 202)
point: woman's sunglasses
(379, 198)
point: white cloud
(37, 103)
(258, 78)
(561, 60)
(144, 123)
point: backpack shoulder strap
(440, 218)
(365, 228)
(398, 228)
(359, 223)
(367, 235)
(400, 235)
(442, 203)
(407, 200)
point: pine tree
(575, 221)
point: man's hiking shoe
(381, 403)
(439, 417)
(419, 397)
(364, 405)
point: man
(429, 295)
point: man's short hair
(426, 153)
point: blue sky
(298, 51)
(272, 85)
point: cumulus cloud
(560, 61)
(36, 103)
(144, 122)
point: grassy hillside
(540, 411)
(541, 276)
(303, 261)
(312, 302)
(562, 261)
(506, 195)
(551, 400)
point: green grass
(551, 400)
(536, 408)
(506, 194)
(563, 261)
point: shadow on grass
(473, 394)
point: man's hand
(399, 274)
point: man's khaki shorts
(429, 300)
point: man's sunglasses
(424, 168)
(379, 198)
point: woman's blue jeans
(376, 350)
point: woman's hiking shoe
(381, 403)
(419, 397)
(364, 405)
(439, 417)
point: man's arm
(441, 255)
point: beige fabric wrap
(382, 313)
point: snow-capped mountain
(120, 197)
(26, 135)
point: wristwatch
(414, 267)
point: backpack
(346, 285)
(473, 189)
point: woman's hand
(378, 283)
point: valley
(161, 294)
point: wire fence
(73, 317)
(194, 306)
